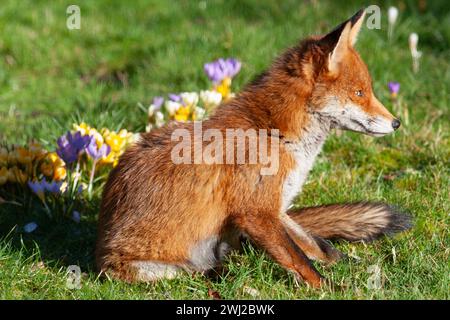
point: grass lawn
(128, 52)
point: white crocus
(199, 113)
(413, 41)
(156, 117)
(210, 99)
(151, 110)
(159, 119)
(189, 98)
(172, 107)
(392, 18)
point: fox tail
(365, 221)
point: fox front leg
(314, 247)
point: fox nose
(395, 124)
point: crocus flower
(189, 99)
(38, 187)
(392, 18)
(394, 88)
(221, 69)
(174, 97)
(156, 120)
(36, 150)
(224, 88)
(198, 114)
(76, 216)
(3, 175)
(16, 175)
(158, 102)
(182, 114)
(52, 166)
(172, 106)
(413, 41)
(52, 187)
(210, 99)
(30, 227)
(159, 119)
(155, 106)
(70, 146)
(23, 155)
(89, 131)
(96, 152)
(117, 142)
(82, 127)
(3, 156)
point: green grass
(51, 77)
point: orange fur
(157, 217)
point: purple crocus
(38, 187)
(52, 187)
(174, 97)
(76, 216)
(222, 68)
(70, 146)
(95, 152)
(158, 102)
(394, 88)
(30, 227)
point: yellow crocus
(59, 173)
(3, 156)
(109, 159)
(88, 130)
(12, 157)
(182, 114)
(59, 170)
(17, 175)
(47, 169)
(36, 150)
(82, 127)
(118, 142)
(115, 141)
(3, 175)
(224, 88)
(53, 166)
(24, 156)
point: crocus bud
(392, 18)
(392, 15)
(413, 41)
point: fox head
(342, 92)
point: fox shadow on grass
(58, 241)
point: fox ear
(357, 21)
(341, 38)
(340, 49)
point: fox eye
(359, 93)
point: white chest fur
(304, 152)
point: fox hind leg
(267, 232)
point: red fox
(159, 218)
